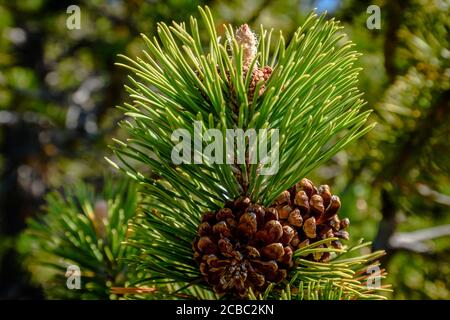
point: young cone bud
(249, 43)
(247, 39)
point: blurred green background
(59, 89)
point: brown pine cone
(241, 247)
(258, 74)
(245, 245)
(312, 213)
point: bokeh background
(59, 89)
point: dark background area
(59, 89)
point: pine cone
(240, 247)
(313, 213)
(258, 74)
(245, 245)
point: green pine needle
(311, 97)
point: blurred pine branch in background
(85, 229)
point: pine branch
(85, 229)
(311, 97)
(306, 90)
